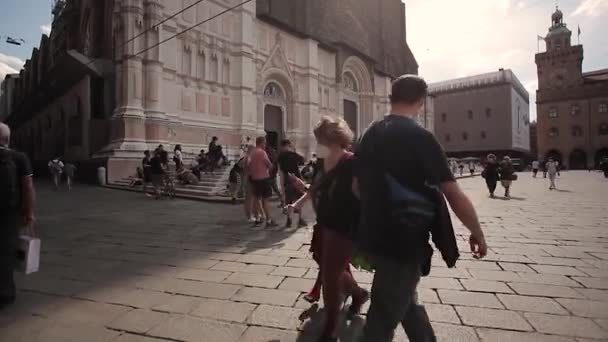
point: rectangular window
(603, 108)
(575, 110)
(553, 113)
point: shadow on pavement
(101, 245)
(350, 329)
(514, 198)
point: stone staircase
(212, 186)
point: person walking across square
(396, 160)
(551, 168)
(260, 168)
(17, 197)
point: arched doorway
(357, 94)
(273, 125)
(577, 160)
(350, 116)
(600, 155)
(555, 155)
(274, 110)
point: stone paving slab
(191, 271)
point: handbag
(409, 208)
(28, 254)
(513, 177)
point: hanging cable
(193, 26)
(161, 22)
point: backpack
(9, 182)
(55, 167)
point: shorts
(291, 193)
(261, 188)
(505, 183)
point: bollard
(101, 176)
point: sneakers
(355, 307)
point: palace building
(572, 105)
(109, 82)
(482, 114)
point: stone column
(128, 129)
(245, 105)
(310, 111)
(156, 123)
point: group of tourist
(382, 201)
(155, 168)
(503, 171)
(58, 170)
(457, 166)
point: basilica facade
(115, 78)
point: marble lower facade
(234, 77)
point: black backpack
(9, 182)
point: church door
(350, 116)
(273, 125)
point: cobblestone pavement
(120, 267)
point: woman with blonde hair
(337, 211)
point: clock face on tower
(558, 77)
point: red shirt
(259, 165)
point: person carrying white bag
(17, 199)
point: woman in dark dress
(490, 173)
(337, 211)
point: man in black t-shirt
(156, 172)
(289, 163)
(146, 169)
(17, 197)
(396, 155)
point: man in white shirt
(535, 165)
(551, 168)
(56, 169)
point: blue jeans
(393, 301)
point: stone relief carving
(349, 82)
(273, 91)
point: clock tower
(560, 66)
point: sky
(457, 38)
(449, 38)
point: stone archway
(277, 90)
(577, 160)
(276, 106)
(555, 155)
(357, 94)
(600, 155)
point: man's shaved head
(5, 134)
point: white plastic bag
(28, 254)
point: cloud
(591, 8)
(46, 29)
(9, 65)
